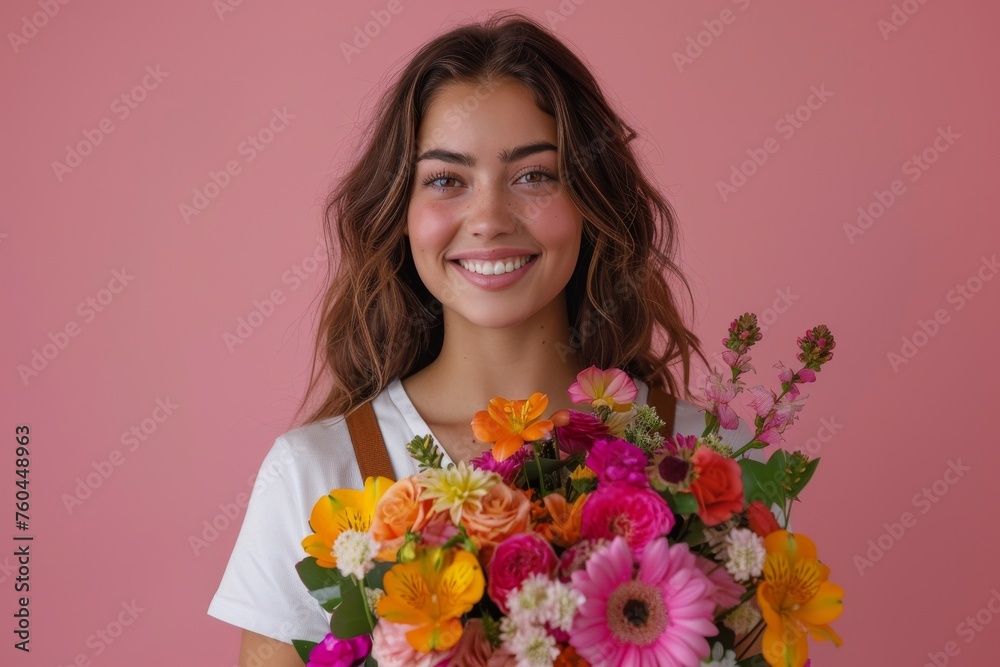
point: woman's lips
(495, 282)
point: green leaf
(323, 582)
(759, 482)
(303, 648)
(351, 618)
(800, 472)
(681, 503)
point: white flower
(743, 619)
(561, 606)
(527, 604)
(530, 644)
(720, 657)
(355, 551)
(744, 554)
(372, 596)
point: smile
(494, 268)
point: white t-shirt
(260, 590)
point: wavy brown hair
(377, 320)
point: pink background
(777, 246)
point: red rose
(761, 519)
(718, 486)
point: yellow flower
(795, 599)
(432, 592)
(510, 424)
(456, 490)
(342, 509)
(582, 472)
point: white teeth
(499, 267)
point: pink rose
(391, 649)
(473, 649)
(514, 560)
(618, 508)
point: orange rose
(504, 511)
(397, 512)
(564, 530)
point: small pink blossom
(336, 652)
(577, 431)
(612, 387)
(727, 591)
(618, 460)
(719, 393)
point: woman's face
(486, 197)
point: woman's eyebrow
(506, 156)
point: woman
(496, 237)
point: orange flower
(564, 530)
(432, 592)
(503, 512)
(510, 424)
(795, 599)
(568, 657)
(399, 510)
(342, 509)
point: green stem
(364, 602)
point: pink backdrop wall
(135, 301)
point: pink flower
(619, 509)
(514, 560)
(391, 649)
(576, 557)
(618, 460)
(473, 649)
(612, 387)
(719, 393)
(438, 530)
(576, 431)
(661, 615)
(778, 414)
(509, 468)
(335, 652)
(727, 591)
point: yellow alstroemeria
(432, 592)
(795, 599)
(510, 424)
(342, 509)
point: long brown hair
(377, 320)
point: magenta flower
(620, 509)
(509, 468)
(335, 652)
(577, 431)
(785, 374)
(660, 615)
(514, 560)
(719, 393)
(612, 387)
(736, 360)
(618, 460)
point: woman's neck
(477, 364)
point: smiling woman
(496, 237)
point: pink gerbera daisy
(658, 616)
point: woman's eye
(540, 177)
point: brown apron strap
(666, 406)
(369, 447)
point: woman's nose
(491, 212)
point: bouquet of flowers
(583, 539)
